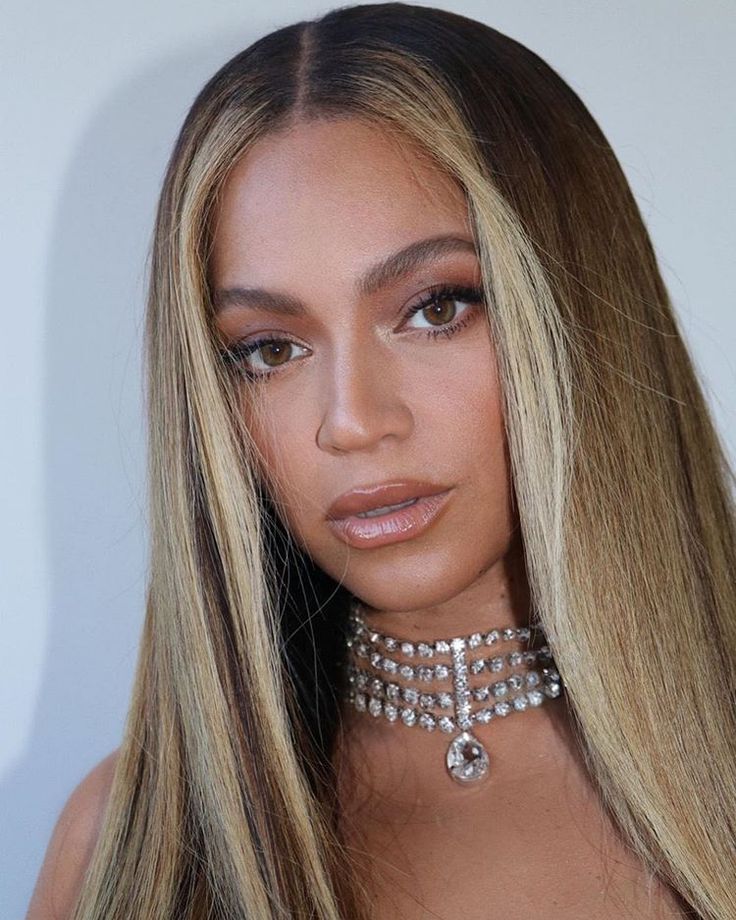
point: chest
(550, 877)
(551, 853)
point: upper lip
(367, 498)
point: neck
(498, 597)
(415, 696)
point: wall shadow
(94, 450)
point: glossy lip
(366, 498)
(392, 527)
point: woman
(414, 377)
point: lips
(371, 497)
(406, 509)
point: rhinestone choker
(397, 698)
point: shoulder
(71, 844)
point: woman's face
(352, 390)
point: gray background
(91, 97)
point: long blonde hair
(222, 803)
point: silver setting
(450, 709)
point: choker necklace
(446, 661)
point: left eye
(440, 310)
(439, 307)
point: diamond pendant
(467, 759)
(398, 699)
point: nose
(362, 404)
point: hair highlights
(222, 803)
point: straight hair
(223, 800)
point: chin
(418, 574)
(410, 589)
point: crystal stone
(427, 720)
(467, 759)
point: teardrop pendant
(467, 759)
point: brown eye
(441, 310)
(278, 351)
(261, 357)
(445, 310)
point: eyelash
(237, 353)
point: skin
(376, 398)
(366, 396)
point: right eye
(270, 355)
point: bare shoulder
(71, 844)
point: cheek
(489, 448)
(481, 428)
(458, 436)
(468, 435)
(280, 432)
(462, 409)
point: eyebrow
(387, 271)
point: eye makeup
(238, 355)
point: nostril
(362, 414)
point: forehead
(325, 192)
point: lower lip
(392, 527)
